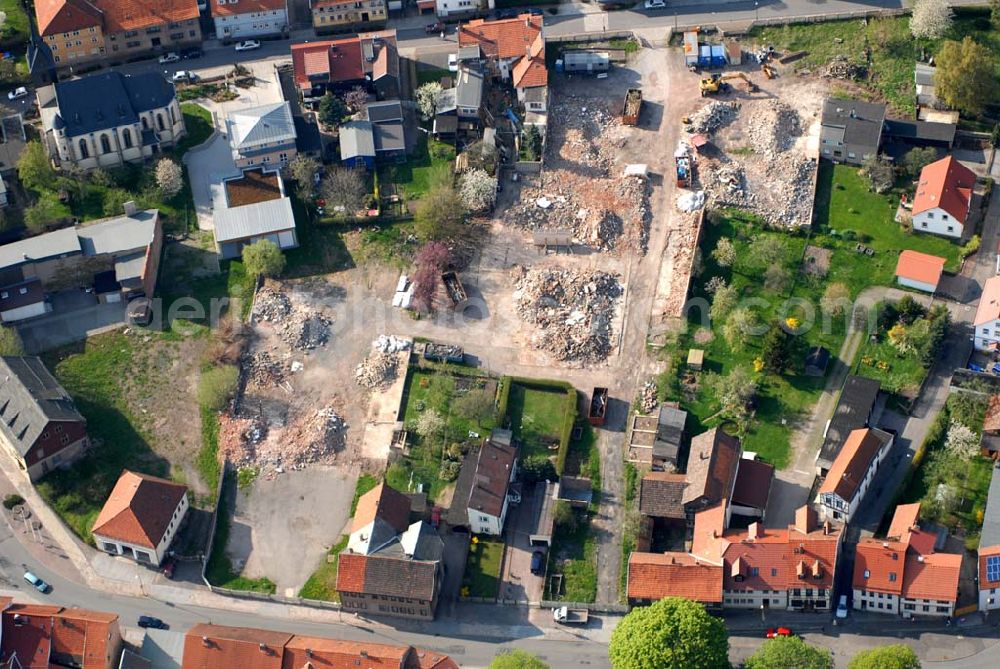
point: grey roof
(421, 542)
(253, 220)
(389, 137)
(923, 74)
(862, 121)
(926, 130)
(470, 52)
(447, 101)
(49, 245)
(543, 507)
(266, 124)
(110, 99)
(469, 89)
(357, 139)
(120, 234)
(535, 94)
(380, 112)
(30, 398)
(130, 267)
(131, 660)
(164, 648)
(990, 536)
(853, 410)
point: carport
(543, 511)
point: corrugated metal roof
(357, 139)
(253, 220)
(267, 124)
(117, 235)
(44, 246)
(469, 91)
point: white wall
(989, 599)
(890, 603)
(919, 285)
(939, 222)
(446, 7)
(20, 313)
(250, 24)
(986, 333)
(156, 554)
(484, 523)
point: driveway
(207, 166)
(75, 316)
(517, 583)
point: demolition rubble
(572, 311)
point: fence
(528, 167)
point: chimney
(920, 558)
(805, 519)
(885, 544)
(130, 208)
(309, 652)
(755, 531)
(527, 20)
(205, 642)
(262, 647)
(364, 653)
(826, 527)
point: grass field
(15, 31)
(430, 160)
(536, 418)
(905, 372)
(322, 585)
(482, 568)
(574, 555)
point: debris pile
(378, 370)
(713, 116)
(271, 305)
(647, 397)
(841, 68)
(572, 311)
(305, 331)
(263, 371)
(391, 344)
(773, 127)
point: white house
(989, 549)
(852, 473)
(491, 496)
(987, 322)
(242, 19)
(444, 8)
(920, 271)
(944, 193)
(141, 517)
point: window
(868, 573)
(754, 571)
(159, 121)
(930, 214)
(892, 577)
(84, 149)
(851, 154)
(4, 295)
(105, 144)
(22, 291)
(774, 571)
(923, 224)
(127, 138)
(64, 439)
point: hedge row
(569, 420)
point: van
(842, 607)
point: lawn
(844, 202)
(904, 375)
(198, 122)
(482, 568)
(894, 50)
(15, 32)
(322, 585)
(430, 160)
(92, 373)
(431, 75)
(537, 416)
(574, 555)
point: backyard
(431, 159)
(573, 556)
(537, 417)
(482, 568)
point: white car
(248, 45)
(453, 62)
(18, 93)
(169, 58)
(184, 77)
(655, 4)
(842, 607)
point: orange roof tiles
(920, 267)
(246, 6)
(505, 38)
(530, 72)
(904, 521)
(945, 184)
(383, 502)
(209, 646)
(989, 302)
(991, 423)
(851, 464)
(781, 559)
(933, 576)
(351, 572)
(61, 16)
(328, 61)
(658, 575)
(139, 509)
(304, 651)
(44, 634)
(709, 526)
(884, 572)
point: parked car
(18, 93)
(151, 622)
(508, 13)
(781, 631)
(38, 583)
(188, 54)
(842, 607)
(453, 62)
(169, 58)
(537, 562)
(433, 28)
(655, 4)
(248, 45)
(184, 77)
(168, 567)
(535, 11)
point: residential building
(989, 446)
(656, 440)
(751, 487)
(661, 507)
(390, 566)
(711, 472)
(843, 490)
(84, 33)
(40, 427)
(388, 128)
(109, 119)
(902, 574)
(117, 258)
(446, 8)
(244, 19)
(757, 568)
(989, 549)
(252, 207)
(37, 636)
(208, 646)
(899, 135)
(851, 130)
(346, 15)
(857, 407)
(987, 321)
(514, 50)
(370, 60)
(919, 270)
(459, 107)
(357, 144)
(491, 495)
(944, 193)
(141, 517)
(263, 136)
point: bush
(971, 246)
(217, 386)
(12, 500)
(449, 470)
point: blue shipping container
(704, 56)
(718, 55)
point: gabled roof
(660, 495)
(493, 470)
(753, 483)
(711, 467)
(121, 15)
(357, 139)
(852, 463)
(304, 651)
(504, 38)
(389, 576)
(208, 646)
(921, 267)
(945, 184)
(654, 576)
(139, 509)
(61, 16)
(110, 99)
(246, 7)
(530, 72)
(53, 636)
(254, 127)
(384, 502)
(778, 559)
(383, 112)
(989, 302)
(857, 399)
(932, 576)
(862, 121)
(31, 399)
(328, 61)
(990, 534)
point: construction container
(598, 406)
(586, 61)
(718, 55)
(632, 106)
(691, 47)
(705, 55)
(734, 53)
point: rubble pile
(572, 311)
(713, 116)
(305, 331)
(271, 305)
(391, 344)
(841, 68)
(647, 397)
(239, 437)
(263, 371)
(378, 370)
(773, 127)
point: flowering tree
(429, 98)
(962, 441)
(478, 190)
(169, 177)
(931, 18)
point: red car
(436, 516)
(781, 631)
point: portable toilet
(704, 56)
(718, 55)
(559, 65)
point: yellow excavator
(717, 83)
(768, 70)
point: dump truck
(719, 83)
(454, 288)
(568, 616)
(598, 406)
(632, 106)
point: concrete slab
(61, 327)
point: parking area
(516, 580)
(75, 316)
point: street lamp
(755, 5)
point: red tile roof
(851, 464)
(709, 527)
(139, 509)
(505, 38)
(61, 16)
(933, 576)
(304, 651)
(920, 267)
(781, 559)
(989, 302)
(530, 72)
(947, 184)
(351, 572)
(382, 502)
(209, 646)
(44, 634)
(753, 483)
(389, 576)
(904, 522)
(246, 6)
(329, 61)
(657, 575)
(121, 15)
(711, 468)
(885, 572)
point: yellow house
(333, 15)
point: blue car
(39, 584)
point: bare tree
(430, 261)
(356, 98)
(344, 190)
